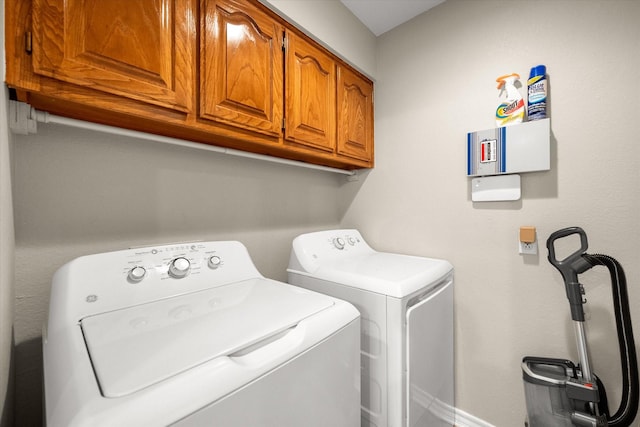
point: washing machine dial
(338, 242)
(137, 273)
(179, 267)
(214, 262)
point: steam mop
(559, 393)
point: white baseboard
(464, 419)
(446, 412)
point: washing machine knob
(179, 267)
(137, 273)
(338, 242)
(214, 262)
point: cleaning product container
(537, 93)
(511, 110)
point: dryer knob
(137, 273)
(338, 242)
(179, 267)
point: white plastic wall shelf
(524, 147)
(495, 155)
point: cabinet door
(355, 115)
(241, 67)
(310, 80)
(140, 49)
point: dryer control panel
(344, 241)
(335, 241)
(312, 250)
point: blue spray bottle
(537, 93)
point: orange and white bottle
(512, 109)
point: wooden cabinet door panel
(355, 116)
(142, 49)
(135, 64)
(241, 67)
(310, 80)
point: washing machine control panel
(141, 275)
(171, 262)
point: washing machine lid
(136, 347)
(385, 273)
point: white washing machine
(193, 335)
(406, 304)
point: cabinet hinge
(28, 45)
(284, 42)
(283, 124)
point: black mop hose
(628, 408)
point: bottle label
(537, 99)
(510, 112)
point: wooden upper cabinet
(140, 49)
(241, 67)
(310, 88)
(355, 115)
(230, 73)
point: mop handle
(570, 267)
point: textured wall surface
(7, 246)
(436, 82)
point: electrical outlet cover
(529, 248)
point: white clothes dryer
(406, 304)
(193, 335)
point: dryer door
(430, 358)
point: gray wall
(435, 82)
(7, 245)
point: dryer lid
(136, 347)
(385, 273)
